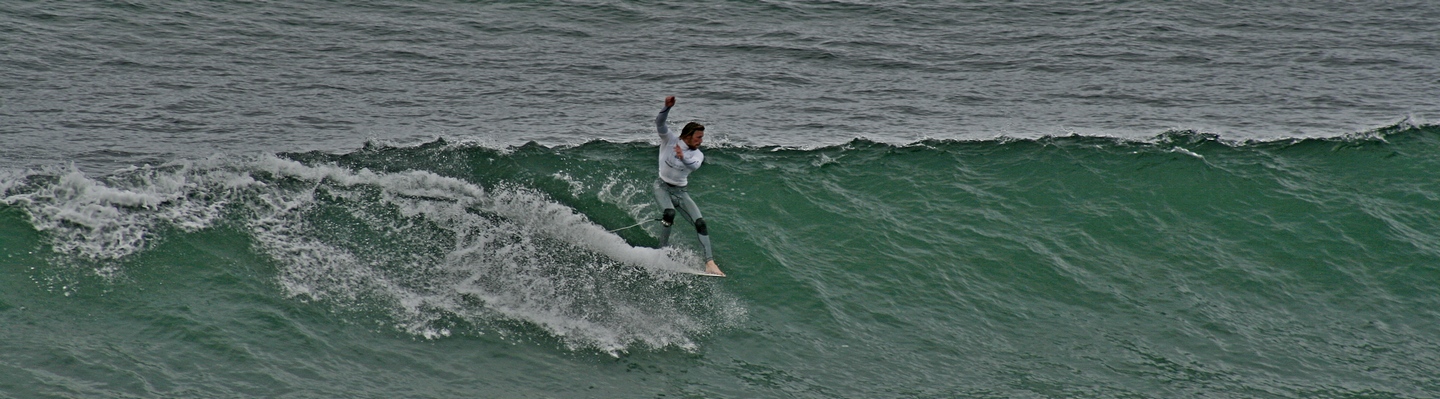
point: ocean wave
(427, 247)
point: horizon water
(911, 200)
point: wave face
(1180, 266)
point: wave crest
(440, 255)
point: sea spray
(427, 247)
(1185, 265)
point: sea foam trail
(428, 248)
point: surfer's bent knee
(700, 227)
(668, 217)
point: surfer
(680, 155)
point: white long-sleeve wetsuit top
(675, 170)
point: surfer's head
(692, 134)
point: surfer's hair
(690, 129)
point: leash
(634, 225)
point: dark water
(110, 84)
(912, 199)
(1059, 267)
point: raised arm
(660, 120)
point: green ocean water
(1181, 266)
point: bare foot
(711, 268)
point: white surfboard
(705, 273)
(658, 259)
(686, 270)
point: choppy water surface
(115, 83)
(300, 199)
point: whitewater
(910, 199)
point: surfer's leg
(687, 205)
(692, 213)
(662, 196)
(705, 242)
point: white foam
(576, 187)
(636, 199)
(108, 219)
(504, 252)
(1185, 151)
(515, 254)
